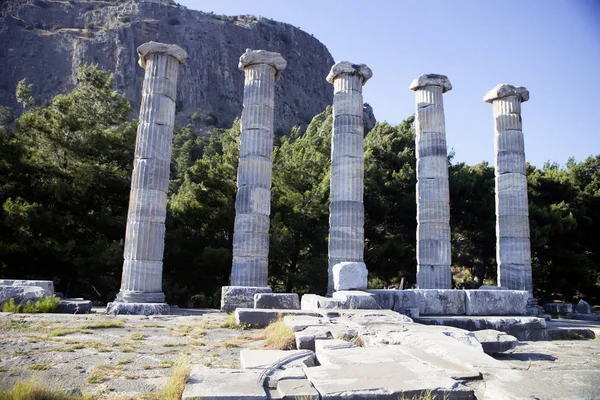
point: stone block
(147, 205)
(48, 286)
(150, 173)
(74, 306)
(144, 241)
(300, 389)
(254, 172)
(300, 323)
(512, 226)
(158, 109)
(153, 141)
(433, 212)
(346, 213)
(510, 162)
(322, 346)
(432, 167)
(141, 278)
(495, 341)
(253, 200)
(251, 223)
(313, 302)
(347, 181)
(261, 318)
(514, 250)
(250, 272)
(350, 276)
(118, 308)
(558, 308)
(509, 141)
(440, 301)
(20, 294)
(160, 85)
(354, 299)
(233, 297)
(496, 302)
(260, 92)
(523, 328)
(434, 276)
(512, 202)
(583, 307)
(305, 339)
(263, 359)
(277, 300)
(256, 143)
(429, 144)
(348, 145)
(514, 276)
(348, 124)
(434, 252)
(257, 116)
(433, 190)
(223, 384)
(437, 231)
(251, 244)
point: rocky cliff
(45, 42)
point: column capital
(431, 80)
(506, 90)
(348, 68)
(162, 48)
(253, 57)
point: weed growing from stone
(279, 336)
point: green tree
(24, 94)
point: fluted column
(253, 201)
(145, 234)
(433, 197)
(346, 210)
(513, 251)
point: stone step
(75, 306)
(260, 318)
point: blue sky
(552, 47)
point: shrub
(11, 306)
(195, 117)
(211, 119)
(46, 304)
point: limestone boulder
(350, 276)
(20, 294)
(583, 307)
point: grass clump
(46, 304)
(231, 323)
(279, 336)
(103, 325)
(103, 373)
(33, 390)
(137, 336)
(40, 367)
(180, 374)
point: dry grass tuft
(33, 390)
(103, 373)
(279, 336)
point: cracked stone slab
(262, 359)
(221, 383)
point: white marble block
(350, 276)
(433, 194)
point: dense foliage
(66, 167)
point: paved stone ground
(64, 351)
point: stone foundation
(117, 308)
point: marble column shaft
(253, 201)
(513, 250)
(346, 210)
(433, 196)
(145, 233)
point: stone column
(253, 201)
(346, 210)
(433, 197)
(513, 251)
(141, 283)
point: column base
(131, 296)
(119, 308)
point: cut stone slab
(48, 286)
(305, 339)
(313, 302)
(495, 341)
(350, 276)
(322, 346)
(300, 323)
(118, 308)
(223, 384)
(521, 327)
(381, 381)
(263, 359)
(75, 306)
(288, 301)
(20, 294)
(558, 308)
(355, 299)
(496, 302)
(260, 318)
(440, 301)
(300, 389)
(233, 297)
(583, 307)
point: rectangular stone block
(297, 389)
(158, 109)
(356, 300)
(47, 286)
(433, 190)
(150, 174)
(144, 241)
(512, 226)
(523, 328)
(438, 231)
(258, 318)
(440, 301)
(254, 171)
(350, 124)
(257, 117)
(514, 250)
(251, 223)
(510, 162)
(257, 143)
(147, 205)
(223, 383)
(250, 271)
(253, 200)
(160, 85)
(259, 92)
(509, 141)
(433, 212)
(496, 302)
(558, 308)
(233, 297)
(347, 145)
(21, 293)
(313, 302)
(250, 244)
(432, 167)
(346, 213)
(142, 276)
(434, 252)
(347, 103)
(287, 301)
(154, 141)
(434, 276)
(429, 144)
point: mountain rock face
(46, 41)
